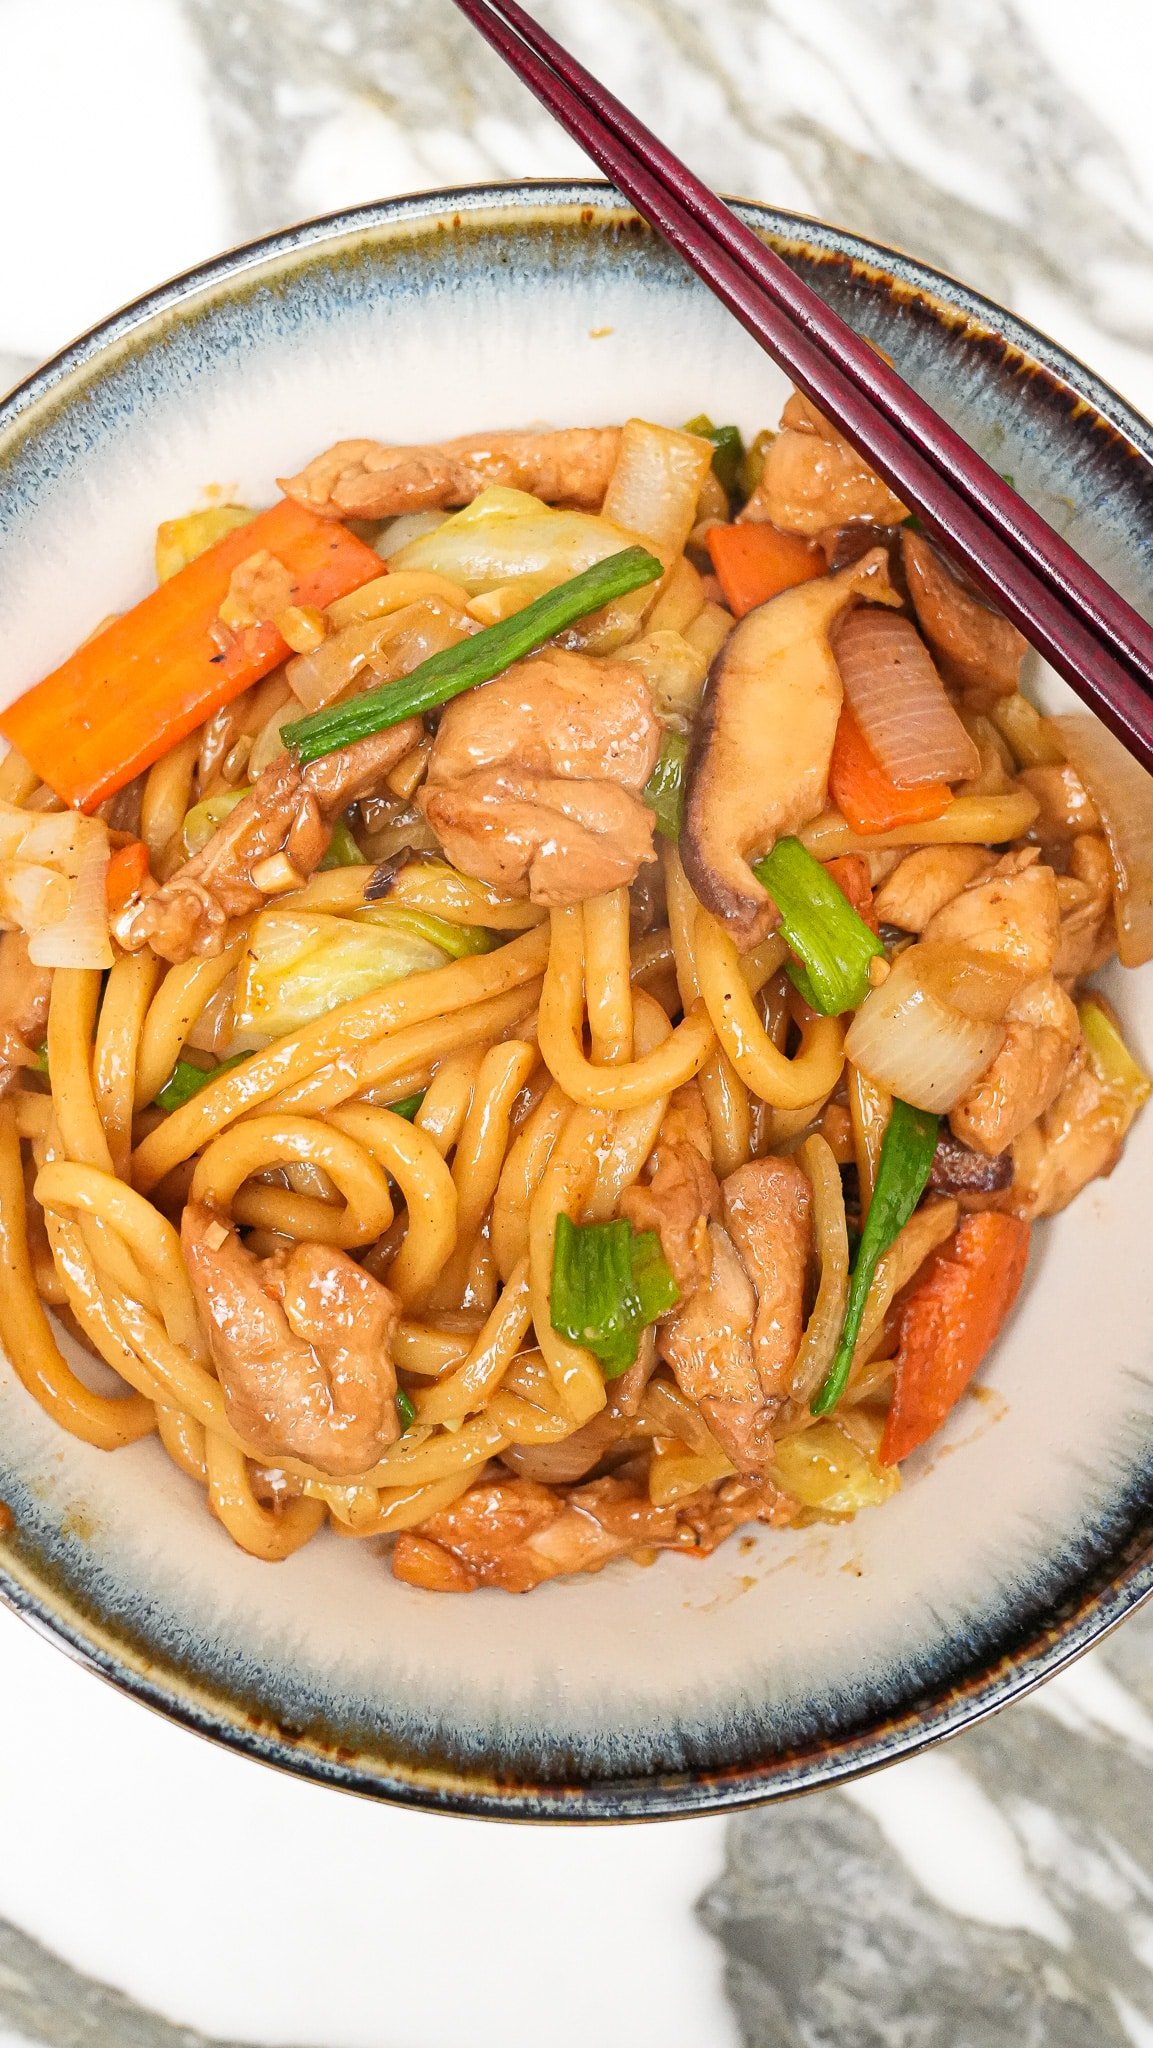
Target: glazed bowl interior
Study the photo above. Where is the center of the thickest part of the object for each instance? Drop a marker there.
(787, 1659)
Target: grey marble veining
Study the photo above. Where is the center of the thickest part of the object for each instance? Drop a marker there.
(832, 1942)
(983, 160)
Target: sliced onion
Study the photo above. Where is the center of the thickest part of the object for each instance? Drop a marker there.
(907, 1039)
(899, 700)
(80, 938)
(1123, 793)
(374, 650)
(656, 483)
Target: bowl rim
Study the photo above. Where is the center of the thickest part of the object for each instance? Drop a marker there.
(1050, 1647)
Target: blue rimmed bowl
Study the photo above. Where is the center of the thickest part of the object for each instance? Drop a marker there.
(800, 1658)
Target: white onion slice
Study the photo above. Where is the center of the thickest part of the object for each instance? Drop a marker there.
(908, 1039)
(1123, 793)
(80, 938)
(899, 700)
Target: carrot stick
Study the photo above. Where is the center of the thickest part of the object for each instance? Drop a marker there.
(156, 673)
(948, 1322)
(866, 797)
(125, 873)
(754, 563)
(850, 872)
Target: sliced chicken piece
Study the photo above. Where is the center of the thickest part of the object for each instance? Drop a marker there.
(1088, 934)
(708, 1342)
(1078, 1139)
(1013, 911)
(1041, 1034)
(812, 479)
(373, 480)
(978, 649)
(767, 1209)
(683, 1195)
(25, 992)
(925, 881)
(302, 1344)
(515, 1534)
(534, 780)
(277, 835)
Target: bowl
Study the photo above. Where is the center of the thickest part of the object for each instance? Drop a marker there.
(793, 1660)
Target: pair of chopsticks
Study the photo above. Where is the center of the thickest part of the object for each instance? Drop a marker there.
(1092, 637)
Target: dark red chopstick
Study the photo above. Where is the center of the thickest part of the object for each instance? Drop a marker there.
(1092, 637)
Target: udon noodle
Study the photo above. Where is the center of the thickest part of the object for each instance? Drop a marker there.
(587, 1118)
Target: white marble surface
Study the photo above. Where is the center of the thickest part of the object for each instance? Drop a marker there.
(1009, 143)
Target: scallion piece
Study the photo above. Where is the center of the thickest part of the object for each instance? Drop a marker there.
(907, 1150)
(473, 661)
(343, 851)
(664, 792)
(41, 1066)
(728, 450)
(186, 1080)
(833, 944)
(405, 1410)
(407, 1106)
(609, 1282)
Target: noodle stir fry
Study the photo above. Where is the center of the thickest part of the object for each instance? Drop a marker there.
(544, 983)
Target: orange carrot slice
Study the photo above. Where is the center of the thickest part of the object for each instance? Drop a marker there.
(948, 1322)
(866, 797)
(155, 674)
(754, 563)
(125, 873)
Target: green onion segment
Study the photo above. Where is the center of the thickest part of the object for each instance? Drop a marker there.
(187, 1080)
(907, 1150)
(833, 944)
(473, 661)
(664, 792)
(609, 1282)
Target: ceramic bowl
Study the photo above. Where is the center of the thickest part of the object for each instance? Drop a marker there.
(1026, 1529)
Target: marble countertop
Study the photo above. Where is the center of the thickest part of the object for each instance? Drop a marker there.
(154, 1890)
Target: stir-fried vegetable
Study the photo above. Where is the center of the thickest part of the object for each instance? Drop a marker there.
(125, 873)
(180, 541)
(1123, 793)
(509, 537)
(934, 1023)
(899, 701)
(298, 964)
(664, 792)
(53, 869)
(950, 1319)
(608, 1283)
(207, 816)
(867, 798)
(830, 1473)
(833, 944)
(474, 661)
(156, 673)
(343, 851)
(906, 1158)
(407, 1106)
(405, 1410)
(728, 450)
(1112, 1061)
(187, 1080)
(756, 562)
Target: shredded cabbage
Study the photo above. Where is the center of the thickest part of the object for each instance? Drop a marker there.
(299, 965)
(507, 536)
(831, 1474)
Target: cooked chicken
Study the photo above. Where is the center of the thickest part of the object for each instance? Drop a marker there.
(372, 480)
(732, 1341)
(302, 1346)
(1077, 1140)
(1041, 1033)
(1066, 810)
(683, 1194)
(1012, 911)
(289, 812)
(259, 588)
(813, 479)
(573, 1457)
(1088, 933)
(515, 1534)
(534, 780)
(767, 1208)
(978, 649)
(24, 996)
(924, 881)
